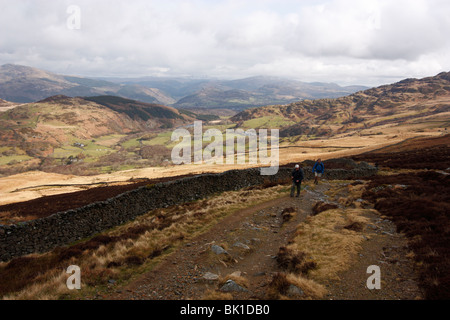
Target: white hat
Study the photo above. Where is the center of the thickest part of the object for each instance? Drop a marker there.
(297, 166)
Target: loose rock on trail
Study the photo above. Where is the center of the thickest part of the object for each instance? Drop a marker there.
(244, 246)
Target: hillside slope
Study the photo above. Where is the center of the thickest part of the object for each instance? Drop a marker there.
(6, 105)
(407, 100)
(139, 110)
(416, 153)
(64, 130)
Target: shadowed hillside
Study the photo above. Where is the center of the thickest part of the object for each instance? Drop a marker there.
(135, 109)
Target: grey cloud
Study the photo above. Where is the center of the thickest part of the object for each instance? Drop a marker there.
(311, 40)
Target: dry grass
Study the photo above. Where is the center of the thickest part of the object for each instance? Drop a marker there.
(279, 286)
(311, 288)
(239, 279)
(394, 172)
(218, 295)
(288, 213)
(327, 239)
(54, 285)
(127, 250)
(323, 246)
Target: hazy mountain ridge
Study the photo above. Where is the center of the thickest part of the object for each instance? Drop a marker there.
(25, 84)
(260, 91)
(405, 100)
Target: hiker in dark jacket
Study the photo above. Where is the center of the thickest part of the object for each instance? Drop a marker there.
(297, 178)
(318, 170)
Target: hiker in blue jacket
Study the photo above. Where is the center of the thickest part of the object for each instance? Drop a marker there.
(318, 170)
(297, 178)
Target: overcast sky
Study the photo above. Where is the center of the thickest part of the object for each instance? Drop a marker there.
(367, 42)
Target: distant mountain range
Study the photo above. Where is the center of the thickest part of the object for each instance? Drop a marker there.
(239, 94)
(25, 84)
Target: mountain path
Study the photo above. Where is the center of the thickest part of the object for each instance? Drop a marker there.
(180, 276)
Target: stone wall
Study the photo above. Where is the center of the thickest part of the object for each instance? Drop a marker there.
(63, 228)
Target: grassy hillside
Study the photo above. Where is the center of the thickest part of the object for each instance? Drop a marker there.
(404, 102)
(84, 136)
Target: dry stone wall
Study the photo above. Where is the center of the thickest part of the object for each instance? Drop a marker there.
(63, 228)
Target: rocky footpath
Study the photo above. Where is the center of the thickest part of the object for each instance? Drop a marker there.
(238, 259)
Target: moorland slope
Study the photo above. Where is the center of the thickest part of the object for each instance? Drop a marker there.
(406, 102)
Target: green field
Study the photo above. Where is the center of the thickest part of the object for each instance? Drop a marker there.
(161, 139)
(109, 140)
(4, 160)
(132, 143)
(90, 150)
(268, 122)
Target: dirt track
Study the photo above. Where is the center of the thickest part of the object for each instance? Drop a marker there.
(181, 275)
